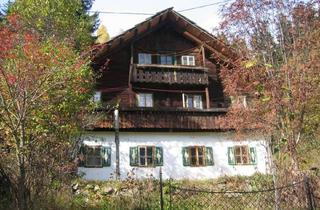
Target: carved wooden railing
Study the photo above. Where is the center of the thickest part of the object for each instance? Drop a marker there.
(169, 74)
(170, 119)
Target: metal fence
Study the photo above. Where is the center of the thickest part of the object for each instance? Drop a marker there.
(296, 195)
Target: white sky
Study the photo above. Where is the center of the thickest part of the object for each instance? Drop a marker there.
(206, 18)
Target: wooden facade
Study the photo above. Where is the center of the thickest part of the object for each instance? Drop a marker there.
(171, 58)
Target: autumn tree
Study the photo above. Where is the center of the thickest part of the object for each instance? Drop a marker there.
(102, 35)
(44, 94)
(278, 72)
(66, 20)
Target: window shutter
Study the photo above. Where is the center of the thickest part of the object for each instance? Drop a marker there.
(185, 156)
(209, 156)
(106, 156)
(231, 159)
(82, 156)
(253, 156)
(159, 156)
(134, 159)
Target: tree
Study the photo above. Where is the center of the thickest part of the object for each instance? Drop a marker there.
(45, 91)
(102, 35)
(278, 72)
(66, 20)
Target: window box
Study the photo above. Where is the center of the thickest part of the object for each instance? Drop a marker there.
(95, 156)
(146, 156)
(242, 155)
(197, 156)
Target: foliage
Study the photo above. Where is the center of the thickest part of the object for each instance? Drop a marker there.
(66, 20)
(102, 35)
(45, 91)
(143, 194)
(279, 73)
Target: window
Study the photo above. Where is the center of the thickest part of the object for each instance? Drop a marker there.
(144, 100)
(242, 155)
(188, 60)
(146, 156)
(95, 156)
(192, 101)
(197, 156)
(97, 96)
(239, 100)
(144, 58)
(166, 60)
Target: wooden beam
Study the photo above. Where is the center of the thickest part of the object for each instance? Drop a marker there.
(130, 73)
(207, 98)
(215, 52)
(203, 56)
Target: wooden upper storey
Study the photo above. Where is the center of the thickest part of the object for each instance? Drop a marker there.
(164, 64)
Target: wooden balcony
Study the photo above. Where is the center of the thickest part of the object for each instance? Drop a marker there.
(169, 74)
(166, 119)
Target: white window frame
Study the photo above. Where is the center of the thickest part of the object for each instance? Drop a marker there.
(146, 156)
(97, 97)
(244, 155)
(194, 101)
(165, 58)
(239, 100)
(197, 156)
(96, 156)
(188, 60)
(144, 97)
(144, 58)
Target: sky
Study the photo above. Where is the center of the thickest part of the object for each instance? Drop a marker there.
(207, 17)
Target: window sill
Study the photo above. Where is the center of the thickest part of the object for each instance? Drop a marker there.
(95, 166)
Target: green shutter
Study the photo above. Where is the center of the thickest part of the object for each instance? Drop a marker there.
(209, 156)
(231, 159)
(106, 156)
(159, 156)
(253, 156)
(134, 158)
(185, 156)
(82, 156)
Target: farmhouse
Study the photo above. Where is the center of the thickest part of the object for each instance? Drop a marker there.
(164, 76)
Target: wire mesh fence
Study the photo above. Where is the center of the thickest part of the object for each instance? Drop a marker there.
(297, 195)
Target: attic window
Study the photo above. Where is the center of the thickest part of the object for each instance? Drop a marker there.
(188, 60)
(144, 58)
(166, 60)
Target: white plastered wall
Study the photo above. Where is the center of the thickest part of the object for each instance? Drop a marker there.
(172, 143)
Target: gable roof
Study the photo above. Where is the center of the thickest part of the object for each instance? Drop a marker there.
(220, 51)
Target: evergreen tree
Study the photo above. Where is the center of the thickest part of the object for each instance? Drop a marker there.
(66, 20)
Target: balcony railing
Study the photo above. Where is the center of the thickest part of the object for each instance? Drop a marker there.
(170, 119)
(169, 74)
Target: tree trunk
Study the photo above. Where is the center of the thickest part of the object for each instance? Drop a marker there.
(292, 147)
(22, 193)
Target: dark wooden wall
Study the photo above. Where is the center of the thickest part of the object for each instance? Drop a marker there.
(114, 80)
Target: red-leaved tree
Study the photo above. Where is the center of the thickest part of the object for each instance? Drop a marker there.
(278, 73)
(44, 93)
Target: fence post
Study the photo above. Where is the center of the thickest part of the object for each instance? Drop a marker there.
(161, 189)
(309, 193)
